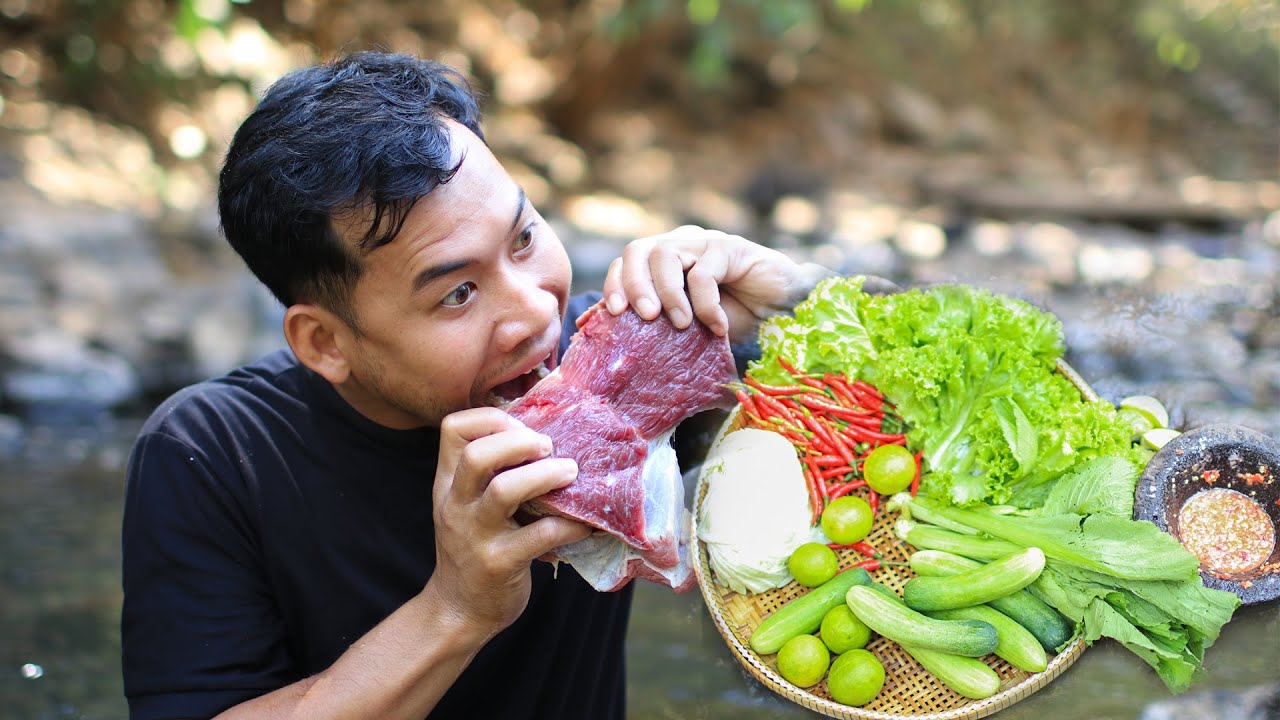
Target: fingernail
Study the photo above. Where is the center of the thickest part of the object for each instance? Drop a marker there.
(545, 445)
(646, 307)
(678, 317)
(571, 469)
(616, 303)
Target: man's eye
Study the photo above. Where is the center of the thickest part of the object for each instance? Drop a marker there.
(460, 295)
(524, 240)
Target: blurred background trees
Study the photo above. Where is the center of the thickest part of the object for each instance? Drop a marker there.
(131, 102)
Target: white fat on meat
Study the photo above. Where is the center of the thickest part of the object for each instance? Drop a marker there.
(607, 563)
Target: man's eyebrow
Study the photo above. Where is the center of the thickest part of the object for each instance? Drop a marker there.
(426, 277)
(520, 203)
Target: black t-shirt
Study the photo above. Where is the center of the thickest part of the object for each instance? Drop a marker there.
(268, 525)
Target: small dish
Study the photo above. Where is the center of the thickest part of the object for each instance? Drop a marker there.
(1216, 489)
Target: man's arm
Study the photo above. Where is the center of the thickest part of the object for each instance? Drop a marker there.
(202, 631)
(403, 666)
(726, 281)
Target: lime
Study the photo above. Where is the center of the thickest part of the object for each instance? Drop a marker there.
(889, 469)
(813, 564)
(1138, 422)
(1156, 439)
(856, 678)
(803, 660)
(842, 631)
(1152, 408)
(847, 520)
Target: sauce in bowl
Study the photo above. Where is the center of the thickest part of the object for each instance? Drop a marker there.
(1230, 533)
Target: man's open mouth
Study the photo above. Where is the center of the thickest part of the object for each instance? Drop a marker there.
(515, 388)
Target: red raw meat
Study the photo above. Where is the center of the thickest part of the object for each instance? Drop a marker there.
(612, 404)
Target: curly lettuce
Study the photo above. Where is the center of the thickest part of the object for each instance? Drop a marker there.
(969, 370)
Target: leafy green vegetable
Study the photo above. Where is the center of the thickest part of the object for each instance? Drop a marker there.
(1101, 485)
(1113, 576)
(1167, 624)
(972, 374)
(1109, 544)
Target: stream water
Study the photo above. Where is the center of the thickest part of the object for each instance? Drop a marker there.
(1199, 329)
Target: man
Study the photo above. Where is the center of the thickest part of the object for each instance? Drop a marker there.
(328, 532)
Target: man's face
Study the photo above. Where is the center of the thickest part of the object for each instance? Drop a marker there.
(464, 304)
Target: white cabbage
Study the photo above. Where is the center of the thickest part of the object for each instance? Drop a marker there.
(756, 510)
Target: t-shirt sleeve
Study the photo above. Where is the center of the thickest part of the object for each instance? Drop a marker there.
(199, 630)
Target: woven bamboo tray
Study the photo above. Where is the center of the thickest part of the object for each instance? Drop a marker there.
(909, 690)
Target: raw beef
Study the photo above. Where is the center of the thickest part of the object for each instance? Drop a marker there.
(612, 405)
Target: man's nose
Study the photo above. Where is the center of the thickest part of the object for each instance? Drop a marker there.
(527, 311)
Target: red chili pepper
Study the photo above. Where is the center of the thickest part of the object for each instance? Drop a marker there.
(846, 489)
(748, 404)
(820, 404)
(775, 389)
(821, 432)
(865, 399)
(815, 492)
(788, 366)
(874, 501)
(866, 549)
(867, 388)
(868, 421)
(771, 404)
(836, 471)
(829, 460)
(874, 436)
(915, 481)
(871, 564)
(840, 389)
(799, 375)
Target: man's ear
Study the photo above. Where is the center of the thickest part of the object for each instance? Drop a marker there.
(311, 332)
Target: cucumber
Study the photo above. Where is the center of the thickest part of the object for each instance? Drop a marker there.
(901, 624)
(974, 587)
(1040, 619)
(928, 537)
(803, 615)
(1017, 644)
(968, 676)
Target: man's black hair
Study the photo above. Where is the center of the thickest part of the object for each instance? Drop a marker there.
(364, 134)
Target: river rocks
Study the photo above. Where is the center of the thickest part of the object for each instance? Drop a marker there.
(53, 367)
(92, 316)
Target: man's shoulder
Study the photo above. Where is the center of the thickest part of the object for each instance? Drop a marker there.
(265, 387)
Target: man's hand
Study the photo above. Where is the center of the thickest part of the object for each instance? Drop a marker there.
(732, 283)
(490, 463)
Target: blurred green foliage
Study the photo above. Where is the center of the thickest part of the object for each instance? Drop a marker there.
(157, 65)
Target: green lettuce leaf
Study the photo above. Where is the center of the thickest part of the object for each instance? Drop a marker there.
(970, 371)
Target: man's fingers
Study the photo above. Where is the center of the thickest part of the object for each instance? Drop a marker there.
(636, 281)
(485, 457)
(508, 489)
(544, 535)
(615, 296)
(666, 268)
(460, 428)
(704, 280)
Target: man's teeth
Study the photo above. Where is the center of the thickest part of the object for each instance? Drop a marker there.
(521, 385)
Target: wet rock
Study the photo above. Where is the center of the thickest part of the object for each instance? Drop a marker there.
(54, 367)
(1257, 703)
(11, 437)
(233, 324)
(912, 117)
(973, 128)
